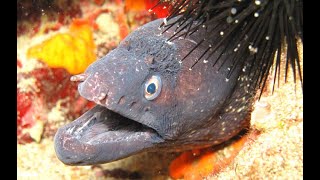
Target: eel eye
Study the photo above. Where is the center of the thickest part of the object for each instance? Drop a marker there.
(152, 87)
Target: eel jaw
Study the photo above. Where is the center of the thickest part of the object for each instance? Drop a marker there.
(100, 136)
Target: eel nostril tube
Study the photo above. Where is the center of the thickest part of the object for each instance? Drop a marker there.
(79, 77)
(102, 98)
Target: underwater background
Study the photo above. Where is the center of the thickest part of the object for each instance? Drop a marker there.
(60, 38)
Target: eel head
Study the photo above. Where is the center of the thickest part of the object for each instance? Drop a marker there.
(148, 99)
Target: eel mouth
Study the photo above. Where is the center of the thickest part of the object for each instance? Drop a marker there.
(100, 136)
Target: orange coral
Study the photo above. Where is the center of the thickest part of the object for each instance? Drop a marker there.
(135, 5)
(197, 164)
(74, 50)
(159, 9)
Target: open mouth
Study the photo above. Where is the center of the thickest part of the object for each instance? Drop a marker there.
(101, 135)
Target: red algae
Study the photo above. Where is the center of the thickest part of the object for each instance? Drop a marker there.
(99, 2)
(160, 10)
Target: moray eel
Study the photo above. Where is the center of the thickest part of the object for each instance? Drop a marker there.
(149, 100)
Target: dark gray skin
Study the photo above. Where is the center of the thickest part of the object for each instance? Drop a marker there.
(195, 108)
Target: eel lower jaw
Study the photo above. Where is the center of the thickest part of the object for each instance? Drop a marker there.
(100, 136)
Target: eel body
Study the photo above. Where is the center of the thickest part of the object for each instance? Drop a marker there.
(189, 84)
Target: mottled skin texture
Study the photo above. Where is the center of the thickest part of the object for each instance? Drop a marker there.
(195, 108)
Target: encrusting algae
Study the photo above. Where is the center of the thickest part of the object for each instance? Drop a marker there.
(200, 163)
(73, 50)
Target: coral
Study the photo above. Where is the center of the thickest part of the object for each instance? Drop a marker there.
(135, 5)
(30, 115)
(200, 163)
(73, 50)
(123, 26)
(41, 16)
(99, 2)
(161, 10)
(38, 92)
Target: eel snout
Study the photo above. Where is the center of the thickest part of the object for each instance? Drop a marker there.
(100, 136)
(71, 151)
(91, 87)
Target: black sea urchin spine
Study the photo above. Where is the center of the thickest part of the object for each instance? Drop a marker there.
(258, 29)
